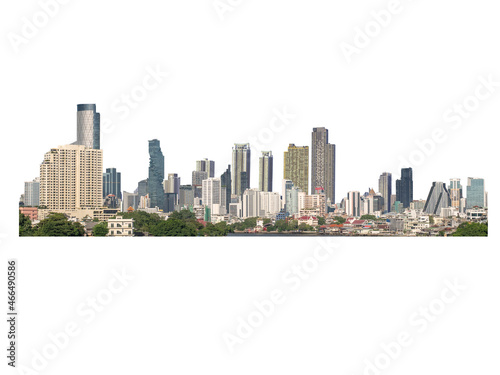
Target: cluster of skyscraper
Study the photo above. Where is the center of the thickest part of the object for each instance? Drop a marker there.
(440, 197)
(231, 193)
(72, 180)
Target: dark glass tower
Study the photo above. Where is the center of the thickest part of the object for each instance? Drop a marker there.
(225, 182)
(404, 187)
(156, 174)
(112, 183)
(142, 188)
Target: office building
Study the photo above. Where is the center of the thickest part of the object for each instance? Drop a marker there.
(292, 200)
(266, 171)
(130, 200)
(475, 193)
(438, 198)
(172, 184)
(186, 196)
(142, 188)
(296, 166)
(206, 165)
(112, 183)
(197, 182)
(225, 182)
(32, 193)
(322, 163)
(404, 187)
(156, 174)
(88, 124)
(385, 189)
(170, 202)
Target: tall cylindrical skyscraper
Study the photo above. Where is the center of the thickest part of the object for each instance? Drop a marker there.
(88, 123)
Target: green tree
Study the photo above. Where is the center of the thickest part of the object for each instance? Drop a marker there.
(57, 225)
(472, 230)
(339, 219)
(25, 227)
(100, 230)
(368, 217)
(182, 215)
(172, 227)
(321, 220)
(293, 225)
(306, 227)
(143, 221)
(215, 230)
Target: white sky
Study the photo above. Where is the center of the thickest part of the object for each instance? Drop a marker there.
(226, 77)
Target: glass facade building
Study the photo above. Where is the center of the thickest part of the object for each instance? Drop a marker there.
(225, 181)
(404, 187)
(156, 174)
(88, 124)
(112, 183)
(475, 192)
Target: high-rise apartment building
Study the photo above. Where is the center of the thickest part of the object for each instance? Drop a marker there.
(88, 124)
(211, 192)
(296, 166)
(385, 189)
(240, 173)
(353, 204)
(438, 198)
(112, 183)
(257, 203)
(456, 192)
(206, 165)
(404, 187)
(71, 178)
(32, 193)
(266, 171)
(476, 196)
(156, 174)
(322, 163)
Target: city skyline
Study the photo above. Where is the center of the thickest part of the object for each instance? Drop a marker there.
(88, 133)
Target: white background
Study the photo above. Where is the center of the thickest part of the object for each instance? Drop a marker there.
(226, 78)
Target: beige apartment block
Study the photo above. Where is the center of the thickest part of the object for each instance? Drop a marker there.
(71, 179)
